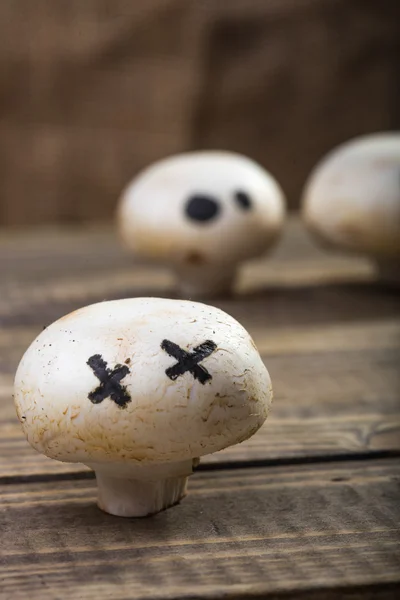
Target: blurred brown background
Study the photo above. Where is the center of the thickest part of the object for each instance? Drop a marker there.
(93, 90)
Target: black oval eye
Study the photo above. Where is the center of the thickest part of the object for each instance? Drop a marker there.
(243, 199)
(202, 208)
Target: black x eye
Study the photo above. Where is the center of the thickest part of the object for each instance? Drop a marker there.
(243, 200)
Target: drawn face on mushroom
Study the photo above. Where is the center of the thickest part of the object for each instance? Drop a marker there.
(137, 390)
(352, 198)
(202, 213)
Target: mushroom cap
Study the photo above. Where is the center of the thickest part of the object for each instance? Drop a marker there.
(352, 198)
(94, 386)
(201, 207)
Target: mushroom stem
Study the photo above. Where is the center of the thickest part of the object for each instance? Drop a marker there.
(127, 490)
(196, 281)
(136, 497)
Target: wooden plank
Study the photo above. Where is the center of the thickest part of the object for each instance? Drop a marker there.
(241, 534)
(46, 274)
(326, 404)
(332, 349)
(267, 298)
(46, 247)
(280, 295)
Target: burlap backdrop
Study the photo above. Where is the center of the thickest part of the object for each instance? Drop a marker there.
(93, 90)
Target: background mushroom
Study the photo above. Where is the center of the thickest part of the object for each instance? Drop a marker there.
(202, 213)
(137, 390)
(352, 200)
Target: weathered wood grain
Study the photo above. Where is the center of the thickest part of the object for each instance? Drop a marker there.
(326, 404)
(43, 277)
(332, 349)
(296, 524)
(332, 358)
(242, 533)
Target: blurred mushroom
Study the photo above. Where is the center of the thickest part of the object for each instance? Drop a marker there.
(202, 213)
(352, 200)
(137, 390)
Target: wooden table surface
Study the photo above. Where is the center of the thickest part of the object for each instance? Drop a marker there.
(307, 508)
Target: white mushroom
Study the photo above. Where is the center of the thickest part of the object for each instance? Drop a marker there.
(137, 390)
(352, 199)
(202, 213)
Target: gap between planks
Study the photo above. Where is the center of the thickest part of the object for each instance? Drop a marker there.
(83, 473)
